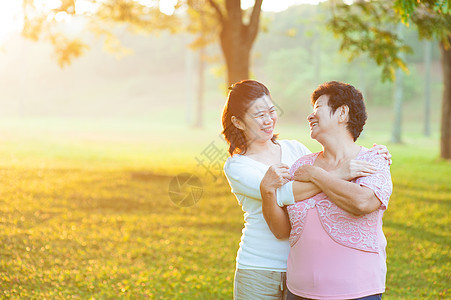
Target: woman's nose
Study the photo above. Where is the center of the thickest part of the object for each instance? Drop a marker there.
(310, 116)
(267, 119)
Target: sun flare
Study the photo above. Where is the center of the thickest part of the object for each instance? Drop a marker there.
(11, 12)
(11, 19)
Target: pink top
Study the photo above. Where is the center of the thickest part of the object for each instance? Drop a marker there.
(335, 255)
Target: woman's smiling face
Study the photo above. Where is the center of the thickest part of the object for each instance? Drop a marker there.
(322, 117)
(260, 120)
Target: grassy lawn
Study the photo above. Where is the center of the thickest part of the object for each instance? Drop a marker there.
(87, 214)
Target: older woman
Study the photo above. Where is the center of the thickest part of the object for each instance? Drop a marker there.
(249, 120)
(336, 238)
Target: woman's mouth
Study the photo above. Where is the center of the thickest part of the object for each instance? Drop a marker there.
(313, 124)
(268, 130)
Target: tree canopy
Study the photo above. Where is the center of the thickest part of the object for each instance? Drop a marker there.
(370, 27)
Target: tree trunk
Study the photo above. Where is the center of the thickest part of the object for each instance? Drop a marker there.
(201, 76)
(238, 38)
(189, 94)
(200, 89)
(445, 138)
(398, 95)
(427, 86)
(236, 51)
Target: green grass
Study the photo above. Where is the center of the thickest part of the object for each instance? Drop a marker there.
(85, 213)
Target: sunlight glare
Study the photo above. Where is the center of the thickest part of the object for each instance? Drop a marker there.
(84, 7)
(11, 14)
(61, 16)
(168, 7)
(149, 3)
(11, 19)
(48, 4)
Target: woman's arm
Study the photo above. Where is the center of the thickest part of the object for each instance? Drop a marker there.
(245, 180)
(304, 190)
(276, 217)
(347, 171)
(349, 196)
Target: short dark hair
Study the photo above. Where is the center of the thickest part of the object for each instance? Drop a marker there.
(344, 94)
(241, 95)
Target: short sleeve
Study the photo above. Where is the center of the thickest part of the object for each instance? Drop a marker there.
(380, 182)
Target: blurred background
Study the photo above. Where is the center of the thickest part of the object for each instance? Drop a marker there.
(105, 102)
(137, 72)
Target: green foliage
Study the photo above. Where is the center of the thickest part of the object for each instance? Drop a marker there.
(432, 24)
(293, 66)
(370, 27)
(407, 8)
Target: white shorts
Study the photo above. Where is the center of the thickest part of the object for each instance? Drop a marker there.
(250, 284)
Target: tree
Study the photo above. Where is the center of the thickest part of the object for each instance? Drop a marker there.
(370, 27)
(398, 98)
(237, 37)
(211, 20)
(224, 20)
(427, 87)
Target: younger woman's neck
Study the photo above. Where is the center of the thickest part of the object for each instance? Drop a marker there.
(261, 147)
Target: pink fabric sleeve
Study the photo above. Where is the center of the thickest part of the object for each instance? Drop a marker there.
(380, 182)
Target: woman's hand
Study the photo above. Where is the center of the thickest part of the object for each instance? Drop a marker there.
(353, 169)
(382, 150)
(303, 173)
(275, 177)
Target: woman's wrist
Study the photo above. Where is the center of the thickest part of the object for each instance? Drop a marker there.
(267, 188)
(317, 173)
(336, 173)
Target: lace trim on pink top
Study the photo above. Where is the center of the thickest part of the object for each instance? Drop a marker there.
(344, 228)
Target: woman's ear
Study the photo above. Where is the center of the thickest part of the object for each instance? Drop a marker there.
(237, 123)
(344, 113)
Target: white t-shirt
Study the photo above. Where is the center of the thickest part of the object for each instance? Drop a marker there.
(259, 248)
